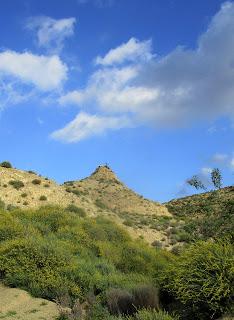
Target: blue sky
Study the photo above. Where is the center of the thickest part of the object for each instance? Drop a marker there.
(145, 86)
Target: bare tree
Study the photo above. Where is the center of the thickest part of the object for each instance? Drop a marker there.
(196, 183)
(216, 178)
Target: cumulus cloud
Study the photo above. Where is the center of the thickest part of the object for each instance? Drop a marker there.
(186, 85)
(44, 72)
(132, 51)
(51, 33)
(86, 125)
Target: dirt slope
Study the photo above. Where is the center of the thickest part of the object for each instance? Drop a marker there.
(18, 304)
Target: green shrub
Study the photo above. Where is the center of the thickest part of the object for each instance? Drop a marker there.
(2, 204)
(11, 207)
(79, 211)
(41, 267)
(24, 195)
(51, 252)
(152, 315)
(202, 278)
(31, 171)
(43, 198)
(157, 244)
(128, 223)
(36, 181)
(6, 164)
(17, 184)
(120, 302)
(100, 204)
(10, 228)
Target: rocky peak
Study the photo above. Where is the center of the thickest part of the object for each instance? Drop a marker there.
(103, 172)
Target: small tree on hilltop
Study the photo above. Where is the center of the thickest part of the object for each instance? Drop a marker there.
(6, 164)
(216, 178)
(196, 183)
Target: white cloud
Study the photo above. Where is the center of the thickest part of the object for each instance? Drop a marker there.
(132, 51)
(51, 33)
(44, 72)
(73, 97)
(85, 125)
(174, 90)
(10, 94)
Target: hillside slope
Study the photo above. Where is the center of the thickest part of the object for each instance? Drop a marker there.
(108, 192)
(26, 189)
(201, 204)
(100, 194)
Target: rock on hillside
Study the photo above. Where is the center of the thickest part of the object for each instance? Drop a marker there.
(108, 192)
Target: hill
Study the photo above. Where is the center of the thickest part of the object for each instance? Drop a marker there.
(100, 194)
(108, 192)
(201, 204)
(205, 216)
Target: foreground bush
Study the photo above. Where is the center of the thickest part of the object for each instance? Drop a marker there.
(123, 302)
(202, 278)
(52, 251)
(144, 314)
(40, 267)
(153, 315)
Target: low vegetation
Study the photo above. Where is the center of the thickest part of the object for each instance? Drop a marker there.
(17, 184)
(94, 270)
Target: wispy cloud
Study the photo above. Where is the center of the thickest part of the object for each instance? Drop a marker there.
(86, 125)
(51, 33)
(132, 51)
(174, 90)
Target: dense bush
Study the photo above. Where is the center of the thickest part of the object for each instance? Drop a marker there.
(153, 315)
(123, 302)
(39, 266)
(79, 211)
(202, 279)
(43, 198)
(17, 184)
(6, 164)
(36, 181)
(51, 250)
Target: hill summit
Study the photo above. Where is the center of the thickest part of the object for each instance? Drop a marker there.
(108, 192)
(103, 172)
